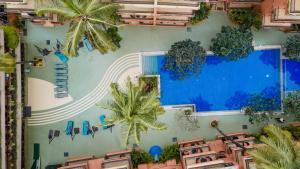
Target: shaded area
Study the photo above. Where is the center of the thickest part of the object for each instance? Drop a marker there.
(201, 104)
(267, 59)
(267, 99)
(215, 60)
(293, 68)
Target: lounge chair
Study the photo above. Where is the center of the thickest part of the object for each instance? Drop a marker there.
(61, 68)
(87, 44)
(50, 136)
(61, 95)
(43, 52)
(61, 77)
(69, 129)
(56, 133)
(61, 89)
(59, 65)
(58, 53)
(62, 83)
(85, 128)
(61, 56)
(103, 122)
(61, 74)
(76, 131)
(61, 71)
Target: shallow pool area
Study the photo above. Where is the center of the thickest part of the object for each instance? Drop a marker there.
(291, 75)
(222, 84)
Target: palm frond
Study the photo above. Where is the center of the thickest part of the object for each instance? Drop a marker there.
(279, 152)
(64, 12)
(73, 6)
(73, 37)
(126, 109)
(99, 39)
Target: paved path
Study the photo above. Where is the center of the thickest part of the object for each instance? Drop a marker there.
(74, 108)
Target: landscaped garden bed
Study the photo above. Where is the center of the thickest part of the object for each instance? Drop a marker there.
(11, 121)
(151, 83)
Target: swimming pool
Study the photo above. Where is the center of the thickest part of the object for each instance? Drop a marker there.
(291, 75)
(221, 84)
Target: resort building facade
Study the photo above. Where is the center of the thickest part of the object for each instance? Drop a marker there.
(157, 12)
(281, 13)
(11, 101)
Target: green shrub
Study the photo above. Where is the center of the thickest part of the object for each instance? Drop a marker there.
(114, 36)
(202, 13)
(185, 58)
(291, 103)
(246, 17)
(292, 47)
(140, 157)
(11, 36)
(295, 131)
(150, 83)
(170, 152)
(233, 43)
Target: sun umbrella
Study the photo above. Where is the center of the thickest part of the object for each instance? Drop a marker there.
(155, 151)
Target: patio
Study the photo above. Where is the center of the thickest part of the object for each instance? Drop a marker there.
(83, 79)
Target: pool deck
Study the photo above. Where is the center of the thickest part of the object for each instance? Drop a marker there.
(90, 69)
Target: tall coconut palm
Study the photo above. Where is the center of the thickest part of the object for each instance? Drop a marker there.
(280, 150)
(135, 110)
(87, 18)
(7, 63)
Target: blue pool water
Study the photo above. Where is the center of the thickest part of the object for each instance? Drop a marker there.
(222, 84)
(291, 75)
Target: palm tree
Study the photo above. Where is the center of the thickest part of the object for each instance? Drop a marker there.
(88, 18)
(280, 150)
(135, 109)
(7, 63)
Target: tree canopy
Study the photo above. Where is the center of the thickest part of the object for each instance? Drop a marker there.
(246, 17)
(7, 63)
(88, 18)
(185, 58)
(135, 110)
(233, 43)
(292, 47)
(291, 103)
(11, 36)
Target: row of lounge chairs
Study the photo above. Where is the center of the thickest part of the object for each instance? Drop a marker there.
(61, 80)
(87, 129)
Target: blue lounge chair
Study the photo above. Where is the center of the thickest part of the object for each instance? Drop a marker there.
(61, 77)
(88, 44)
(61, 83)
(103, 122)
(58, 53)
(85, 128)
(62, 66)
(61, 89)
(61, 95)
(61, 56)
(61, 71)
(69, 129)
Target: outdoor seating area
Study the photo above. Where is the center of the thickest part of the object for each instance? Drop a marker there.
(87, 129)
(120, 159)
(219, 153)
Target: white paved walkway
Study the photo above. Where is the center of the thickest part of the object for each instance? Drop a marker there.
(113, 73)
